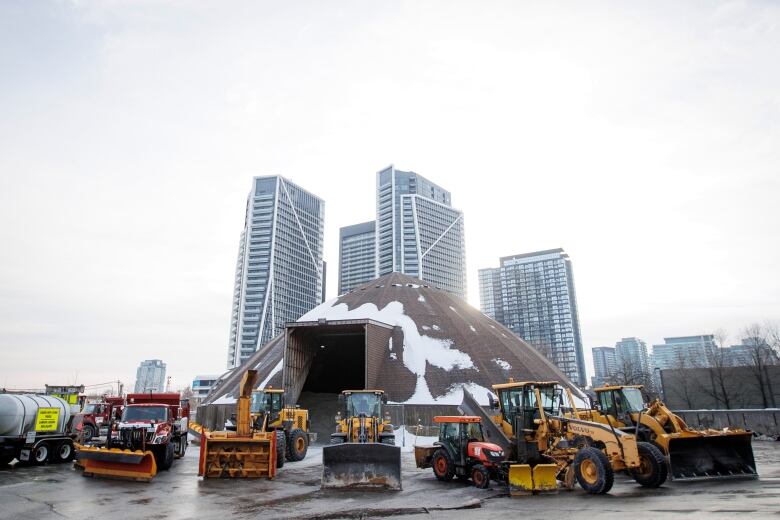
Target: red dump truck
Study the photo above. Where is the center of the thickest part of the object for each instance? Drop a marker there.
(95, 418)
(150, 435)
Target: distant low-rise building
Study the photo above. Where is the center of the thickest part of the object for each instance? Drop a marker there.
(684, 352)
(202, 385)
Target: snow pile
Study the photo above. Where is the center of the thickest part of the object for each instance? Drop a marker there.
(408, 439)
(421, 299)
(418, 349)
(472, 328)
(503, 364)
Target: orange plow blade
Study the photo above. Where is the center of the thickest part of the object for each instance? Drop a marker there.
(125, 464)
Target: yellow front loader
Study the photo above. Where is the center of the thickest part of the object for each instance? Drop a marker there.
(268, 407)
(362, 451)
(544, 446)
(247, 452)
(692, 454)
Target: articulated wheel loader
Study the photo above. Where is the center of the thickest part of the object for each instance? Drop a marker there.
(692, 454)
(268, 408)
(362, 451)
(248, 452)
(543, 446)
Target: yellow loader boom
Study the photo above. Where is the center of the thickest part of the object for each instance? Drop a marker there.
(692, 454)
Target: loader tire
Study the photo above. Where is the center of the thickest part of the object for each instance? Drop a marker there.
(593, 471)
(164, 456)
(297, 445)
(281, 448)
(443, 465)
(480, 476)
(88, 432)
(652, 470)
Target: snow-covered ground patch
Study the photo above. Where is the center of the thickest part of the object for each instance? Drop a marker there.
(436, 327)
(472, 328)
(408, 439)
(421, 299)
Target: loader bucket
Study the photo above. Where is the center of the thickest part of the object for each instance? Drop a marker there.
(237, 457)
(521, 481)
(361, 465)
(715, 456)
(545, 480)
(116, 463)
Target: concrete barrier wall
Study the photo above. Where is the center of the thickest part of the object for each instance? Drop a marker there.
(764, 421)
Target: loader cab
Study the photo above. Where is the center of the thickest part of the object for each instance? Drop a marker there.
(268, 400)
(620, 402)
(366, 403)
(520, 406)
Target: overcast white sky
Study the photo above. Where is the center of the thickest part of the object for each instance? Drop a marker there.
(642, 137)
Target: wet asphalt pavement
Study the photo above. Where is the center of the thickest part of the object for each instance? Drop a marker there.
(59, 491)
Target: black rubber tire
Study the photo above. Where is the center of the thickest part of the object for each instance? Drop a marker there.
(88, 432)
(182, 446)
(443, 465)
(40, 454)
(480, 476)
(65, 452)
(297, 445)
(653, 471)
(164, 455)
(281, 448)
(593, 471)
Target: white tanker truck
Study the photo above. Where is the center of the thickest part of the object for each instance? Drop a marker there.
(35, 429)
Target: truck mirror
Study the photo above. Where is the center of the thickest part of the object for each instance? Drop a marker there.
(384, 399)
(492, 401)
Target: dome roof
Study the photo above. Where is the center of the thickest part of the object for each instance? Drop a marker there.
(444, 344)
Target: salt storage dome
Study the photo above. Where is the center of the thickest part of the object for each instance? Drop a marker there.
(418, 343)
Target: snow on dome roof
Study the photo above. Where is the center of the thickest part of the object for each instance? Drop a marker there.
(446, 344)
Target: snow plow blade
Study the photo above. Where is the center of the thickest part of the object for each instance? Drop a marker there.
(225, 455)
(712, 456)
(115, 463)
(361, 466)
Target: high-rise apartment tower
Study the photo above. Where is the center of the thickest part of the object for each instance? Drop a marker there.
(279, 271)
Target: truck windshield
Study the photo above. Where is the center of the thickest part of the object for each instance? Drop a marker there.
(368, 404)
(145, 413)
(90, 408)
(633, 399)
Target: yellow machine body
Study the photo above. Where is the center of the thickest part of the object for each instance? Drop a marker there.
(362, 453)
(248, 452)
(693, 454)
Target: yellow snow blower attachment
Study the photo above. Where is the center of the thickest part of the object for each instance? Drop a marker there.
(362, 453)
(246, 452)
